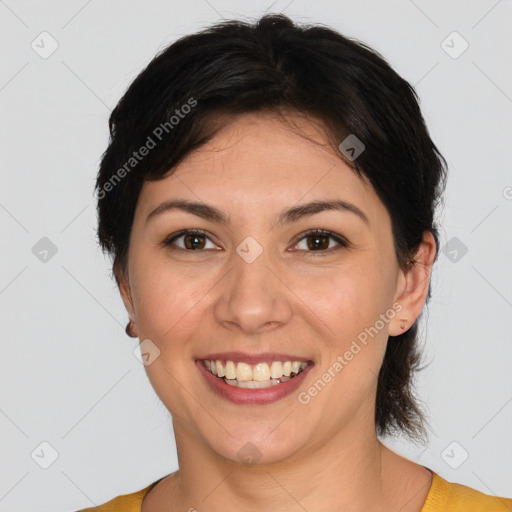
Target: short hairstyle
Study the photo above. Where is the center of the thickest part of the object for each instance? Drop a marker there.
(181, 99)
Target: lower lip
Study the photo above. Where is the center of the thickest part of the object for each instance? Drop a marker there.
(252, 396)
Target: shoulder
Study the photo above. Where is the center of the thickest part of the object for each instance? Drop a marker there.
(124, 503)
(455, 497)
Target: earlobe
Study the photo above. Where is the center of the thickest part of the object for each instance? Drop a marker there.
(129, 329)
(414, 286)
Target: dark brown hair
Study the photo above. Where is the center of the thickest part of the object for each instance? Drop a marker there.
(177, 103)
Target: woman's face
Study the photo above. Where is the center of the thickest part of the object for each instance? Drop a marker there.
(257, 284)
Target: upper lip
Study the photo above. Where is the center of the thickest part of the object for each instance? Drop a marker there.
(253, 358)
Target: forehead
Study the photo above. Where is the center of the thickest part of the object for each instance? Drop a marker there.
(256, 161)
(267, 140)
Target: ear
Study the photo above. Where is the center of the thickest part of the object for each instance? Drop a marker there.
(123, 283)
(412, 286)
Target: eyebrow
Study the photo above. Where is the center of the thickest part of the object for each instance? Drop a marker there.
(294, 214)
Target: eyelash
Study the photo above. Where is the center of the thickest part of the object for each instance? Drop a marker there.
(312, 232)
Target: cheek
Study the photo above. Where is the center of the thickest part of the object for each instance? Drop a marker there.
(168, 300)
(351, 303)
(351, 298)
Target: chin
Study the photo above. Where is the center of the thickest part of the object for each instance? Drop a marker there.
(257, 444)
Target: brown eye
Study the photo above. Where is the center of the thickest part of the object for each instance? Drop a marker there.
(189, 241)
(193, 242)
(319, 240)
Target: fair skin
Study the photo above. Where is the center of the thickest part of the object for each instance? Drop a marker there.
(323, 456)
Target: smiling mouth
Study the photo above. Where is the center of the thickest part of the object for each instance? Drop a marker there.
(255, 376)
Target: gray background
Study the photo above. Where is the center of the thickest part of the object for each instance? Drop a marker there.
(69, 376)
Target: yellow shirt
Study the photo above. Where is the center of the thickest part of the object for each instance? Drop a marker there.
(443, 496)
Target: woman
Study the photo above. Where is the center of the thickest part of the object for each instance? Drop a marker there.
(268, 198)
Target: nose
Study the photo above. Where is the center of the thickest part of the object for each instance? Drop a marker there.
(253, 297)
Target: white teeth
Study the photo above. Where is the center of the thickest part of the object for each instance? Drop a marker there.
(230, 370)
(243, 372)
(255, 376)
(276, 369)
(295, 366)
(252, 384)
(219, 368)
(261, 372)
